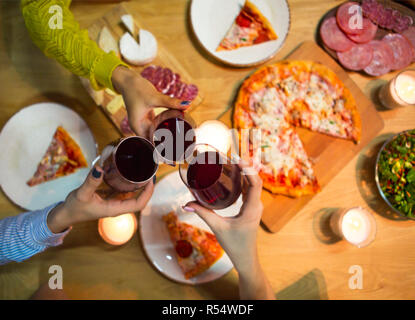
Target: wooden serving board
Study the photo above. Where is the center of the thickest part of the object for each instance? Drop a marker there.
(108, 100)
(329, 154)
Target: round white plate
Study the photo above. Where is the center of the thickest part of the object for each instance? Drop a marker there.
(211, 20)
(24, 140)
(170, 194)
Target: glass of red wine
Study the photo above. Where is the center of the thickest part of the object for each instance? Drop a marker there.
(172, 134)
(211, 177)
(128, 165)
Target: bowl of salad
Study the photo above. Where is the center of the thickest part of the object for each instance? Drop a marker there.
(395, 173)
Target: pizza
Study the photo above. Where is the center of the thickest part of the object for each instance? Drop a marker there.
(249, 28)
(280, 97)
(62, 158)
(196, 249)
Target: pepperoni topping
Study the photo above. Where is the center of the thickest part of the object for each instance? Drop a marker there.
(357, 58)
(368, 34)
(333, 37)
(382, 58)
(242, 20)
(349, 15)
(402, 50)
(262, 37)
(184, 248)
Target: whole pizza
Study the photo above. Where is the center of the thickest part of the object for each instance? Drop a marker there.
(276, 99)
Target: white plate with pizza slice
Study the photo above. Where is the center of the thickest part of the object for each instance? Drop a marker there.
(24, 140)
(170, 194)
(214, 20)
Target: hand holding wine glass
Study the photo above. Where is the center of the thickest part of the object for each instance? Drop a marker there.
(84, 204)
(237, 236)
(140, 96)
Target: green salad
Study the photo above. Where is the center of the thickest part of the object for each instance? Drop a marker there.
(396, 172)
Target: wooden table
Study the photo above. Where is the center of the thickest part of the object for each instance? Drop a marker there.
(301, 260)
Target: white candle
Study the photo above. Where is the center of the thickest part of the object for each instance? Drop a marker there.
(355, 225)
(405, 87)
(215, 134)
(117, 230)
(400, 91)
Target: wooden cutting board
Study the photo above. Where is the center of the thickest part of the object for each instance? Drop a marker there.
(108, 100)
(329, 154)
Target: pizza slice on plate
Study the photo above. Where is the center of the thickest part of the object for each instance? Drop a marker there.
(62, 158)
(249, 28)
(196, 249)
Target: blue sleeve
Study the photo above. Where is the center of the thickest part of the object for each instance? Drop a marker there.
(27, 234)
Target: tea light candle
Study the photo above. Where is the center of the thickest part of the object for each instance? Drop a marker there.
(405, 87)
(400, 91)
(215, 134)
(355, 225)
(117, 230)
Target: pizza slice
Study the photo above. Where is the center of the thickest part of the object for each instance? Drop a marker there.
(62, 158)
(323, 104)
(249, 28)
(196, 249)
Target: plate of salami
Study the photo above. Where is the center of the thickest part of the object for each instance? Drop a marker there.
(240, 33)
(47, 150)
(179, 244)
(374, 37)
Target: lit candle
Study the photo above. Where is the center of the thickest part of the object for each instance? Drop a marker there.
(215, 134)
(400, 91)
(355, 225)
(117, 230)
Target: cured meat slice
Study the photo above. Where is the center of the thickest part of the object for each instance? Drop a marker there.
(382, 58)
(385, 17)
(180, 86)
(348, 19)
(148, 72)
(357, 58)
(125, 126)
(368, 34)
(402, 50)
(190, 92)
(169, 83)
(409, 34)
(333, 37)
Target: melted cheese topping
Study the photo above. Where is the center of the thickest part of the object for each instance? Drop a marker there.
(280, 150)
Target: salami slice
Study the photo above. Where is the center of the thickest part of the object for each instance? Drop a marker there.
(169, 83)
(368, 34)
(148, 72)
(409, 34)
(333, 37)
(402, 50)
(357, 58)
(382, 58)
(348, 18)
(190, 92)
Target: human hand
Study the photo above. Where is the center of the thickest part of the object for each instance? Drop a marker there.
(237, 235)
(84, 204)
(140, 96)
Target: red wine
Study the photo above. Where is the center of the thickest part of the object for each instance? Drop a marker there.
(182, 138)
(214, 184)
(134, 160)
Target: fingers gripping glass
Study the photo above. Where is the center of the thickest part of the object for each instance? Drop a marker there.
(211, 177)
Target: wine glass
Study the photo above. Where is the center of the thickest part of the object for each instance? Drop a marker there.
(172, 134)
(211, 177)
(128, 165)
